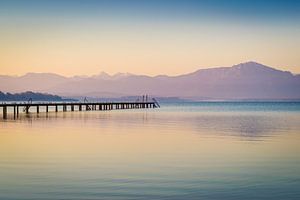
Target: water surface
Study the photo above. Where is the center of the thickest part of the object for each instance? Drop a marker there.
(209, 150)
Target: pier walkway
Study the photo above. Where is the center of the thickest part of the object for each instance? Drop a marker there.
(71, 106)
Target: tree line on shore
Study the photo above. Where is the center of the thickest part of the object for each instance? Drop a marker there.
(29, 95)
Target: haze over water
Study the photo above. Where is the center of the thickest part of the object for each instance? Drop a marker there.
(203, 150)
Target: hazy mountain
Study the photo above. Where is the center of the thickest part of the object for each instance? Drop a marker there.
(243, 81)
(31, 82)
(106, 76)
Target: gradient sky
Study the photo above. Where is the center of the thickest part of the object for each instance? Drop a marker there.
(146, 37)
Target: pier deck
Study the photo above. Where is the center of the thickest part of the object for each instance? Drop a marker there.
(72, 106)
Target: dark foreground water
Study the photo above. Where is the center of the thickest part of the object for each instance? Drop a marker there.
(181, 151)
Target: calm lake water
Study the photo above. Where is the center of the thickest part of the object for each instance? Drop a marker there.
(180, 151)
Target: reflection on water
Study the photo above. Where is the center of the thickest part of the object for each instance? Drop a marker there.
(248, 125)
(177, 152)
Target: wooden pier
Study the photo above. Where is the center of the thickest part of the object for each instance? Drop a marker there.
(72, 106)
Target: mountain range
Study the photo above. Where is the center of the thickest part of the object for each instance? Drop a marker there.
(249, 80)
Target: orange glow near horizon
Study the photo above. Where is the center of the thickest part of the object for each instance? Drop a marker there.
(87, 45)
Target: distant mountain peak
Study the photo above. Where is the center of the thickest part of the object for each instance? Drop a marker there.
(103, 74)
(254, 67)
(250, 64)
(120, 75)
(106, 76)
(31, 75)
